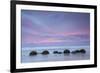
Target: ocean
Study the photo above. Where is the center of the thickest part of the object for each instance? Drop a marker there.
(25, 58)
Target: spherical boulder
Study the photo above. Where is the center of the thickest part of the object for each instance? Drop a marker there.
(82, 50)
(66, 51)
(45, 52)
(79, 51)
(32, 53)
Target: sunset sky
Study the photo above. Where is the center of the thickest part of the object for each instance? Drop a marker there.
(50, 28)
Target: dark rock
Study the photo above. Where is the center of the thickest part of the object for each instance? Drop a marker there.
(55, 52)
(66, 51)
(82, 50)
(59, 53)
(45, 52)
(32, 53)
(79, 51)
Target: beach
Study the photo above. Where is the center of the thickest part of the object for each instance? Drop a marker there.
(26, 58)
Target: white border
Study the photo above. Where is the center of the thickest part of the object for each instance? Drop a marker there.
(20, 65)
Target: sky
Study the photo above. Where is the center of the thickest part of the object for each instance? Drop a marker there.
(54, 28)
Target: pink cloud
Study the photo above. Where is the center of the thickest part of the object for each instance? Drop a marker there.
(32, 40)
(50, 40)
(81, 32)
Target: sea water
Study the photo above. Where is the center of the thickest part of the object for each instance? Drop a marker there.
(26, 58)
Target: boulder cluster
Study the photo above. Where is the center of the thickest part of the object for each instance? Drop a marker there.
(66, 51)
